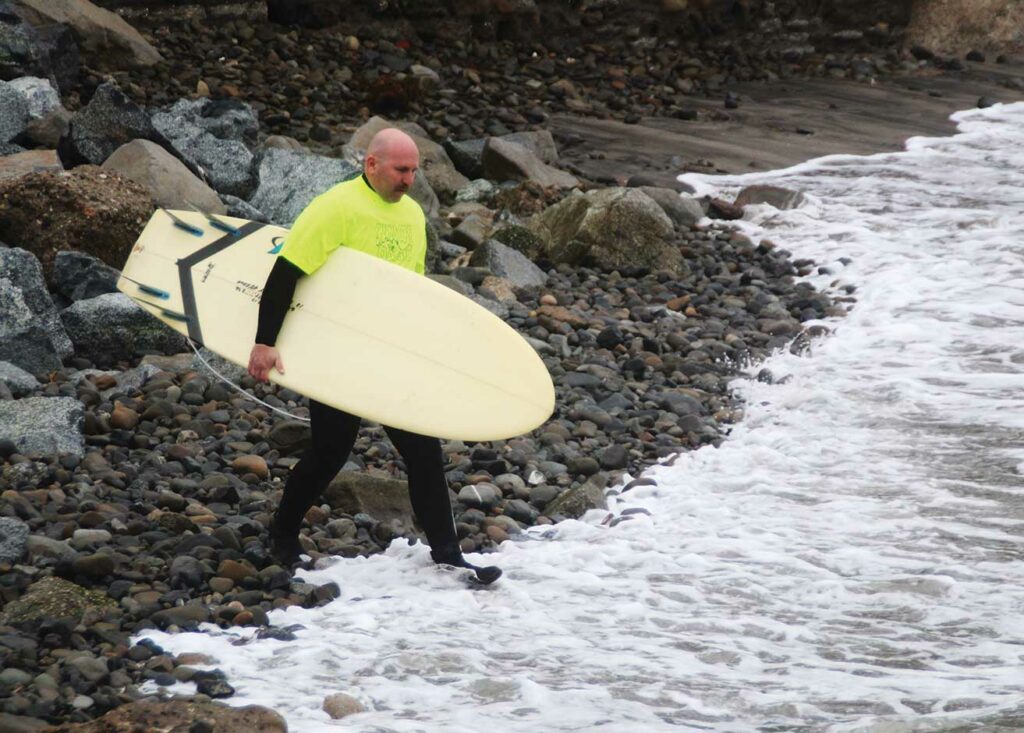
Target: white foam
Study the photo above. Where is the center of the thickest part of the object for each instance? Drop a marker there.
(850, 559)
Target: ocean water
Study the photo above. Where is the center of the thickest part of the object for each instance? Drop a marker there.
(849, 560)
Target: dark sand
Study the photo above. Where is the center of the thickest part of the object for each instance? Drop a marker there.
(783, 123)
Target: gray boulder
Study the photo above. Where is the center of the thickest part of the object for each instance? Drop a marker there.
(109, 328)
(169, 182)
(13, 539)
(14, 116)
(507, 263)
(109, 121)
(49, 51)
(684, 211)
(17, 380)
(508, 161)
(386, 500)
(468, 155)
(288, 181)
(47, 131)
(21, 267)
(80, 276)
(242, 209)
(45, 425)
(614, 227)
(538, 142)
(39, 94)
(213, 143)
(23, 340)
(780, 198)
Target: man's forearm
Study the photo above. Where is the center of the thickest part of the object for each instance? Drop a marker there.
(276, 299)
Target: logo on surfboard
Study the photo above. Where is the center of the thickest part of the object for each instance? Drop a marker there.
(278, 244)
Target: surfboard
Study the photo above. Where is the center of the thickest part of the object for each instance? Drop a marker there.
(362, 335)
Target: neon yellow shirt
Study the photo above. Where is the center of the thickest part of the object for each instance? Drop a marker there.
(351, 214)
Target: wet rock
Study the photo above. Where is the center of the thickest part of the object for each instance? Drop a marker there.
(780, 198)
(168, 181)
(43, 424)
(576, 502)
(340, 705)
(385, 500)
(684, 211)
(110, 327)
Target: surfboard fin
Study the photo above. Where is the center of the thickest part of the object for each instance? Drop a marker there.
(149, 289)
(216, 221)
(182, 224)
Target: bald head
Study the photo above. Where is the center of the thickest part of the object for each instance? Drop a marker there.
(392, 160)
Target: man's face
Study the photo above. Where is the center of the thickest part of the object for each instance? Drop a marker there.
(392, 173)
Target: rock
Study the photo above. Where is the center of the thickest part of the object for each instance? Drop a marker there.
(33, 335)
(13, 539)
(183, 715)
(288, 181)
(251, 464)
(509, 264)
(614, 227)
(39, 95)
(14, 114)
(22, 724)
(168, 181)
(113, 327)
(86, 209)
(538, 142)
(470, 232)
(520, 239)
(467, 156)
(17, 380)
(97, 565)
(109, 121)
(480, 496)
(386, 500)
(289, 436)
(80, 276)
(54, 598)
(19, 164)
(506, 161)
(186, 572)
(576, 502)
(105, 39)
(47, 131)
(210, 136)
(46, 425)
(340, 705)
(780, 198)
(684, 211)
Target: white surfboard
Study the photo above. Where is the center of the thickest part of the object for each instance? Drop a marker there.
(362, 335)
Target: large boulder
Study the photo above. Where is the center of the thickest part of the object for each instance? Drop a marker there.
(109, 121)
(435, 165)
(168, 181)
(14, 116)
(290, 180)
(105, 39)
(509, 264)
(509, 161)
(80, 276)
(112, 327)
(613, 227)
(212, 136)
(577, 501)
(180, 715)
(13, 539)
(86, 209)
(21, 268)
(44, 425)
(684, 211)
(386, 500)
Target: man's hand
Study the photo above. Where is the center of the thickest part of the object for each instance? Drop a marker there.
(262, 359)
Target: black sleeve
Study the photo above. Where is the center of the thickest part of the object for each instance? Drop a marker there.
(276, 299)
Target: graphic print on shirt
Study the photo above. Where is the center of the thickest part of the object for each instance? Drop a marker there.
(394, 241)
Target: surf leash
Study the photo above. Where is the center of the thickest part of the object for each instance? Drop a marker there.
(240, 389)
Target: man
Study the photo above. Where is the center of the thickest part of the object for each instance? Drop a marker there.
(372, 214)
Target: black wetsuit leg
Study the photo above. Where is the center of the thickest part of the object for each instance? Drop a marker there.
(428, 492)
(334, 434)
